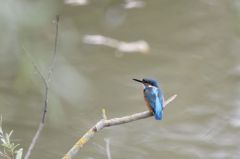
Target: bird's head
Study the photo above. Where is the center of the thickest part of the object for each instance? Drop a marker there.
(147, 82)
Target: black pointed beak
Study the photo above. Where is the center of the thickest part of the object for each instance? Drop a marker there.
(138, 80)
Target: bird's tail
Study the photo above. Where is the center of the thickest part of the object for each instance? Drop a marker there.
(158, 115)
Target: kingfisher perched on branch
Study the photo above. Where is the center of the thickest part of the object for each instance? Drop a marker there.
(153, 97)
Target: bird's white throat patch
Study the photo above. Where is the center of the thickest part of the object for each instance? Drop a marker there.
(148, 86)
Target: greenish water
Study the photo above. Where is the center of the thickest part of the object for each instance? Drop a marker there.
(194, 52)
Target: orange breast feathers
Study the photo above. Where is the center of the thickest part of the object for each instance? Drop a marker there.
(147, 104)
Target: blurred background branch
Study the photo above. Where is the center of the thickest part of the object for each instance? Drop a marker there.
(46, 81)
(140, 46)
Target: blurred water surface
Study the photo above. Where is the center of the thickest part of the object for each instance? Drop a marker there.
(194, 52)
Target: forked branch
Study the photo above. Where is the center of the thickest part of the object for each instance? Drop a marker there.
(107, 123)
(46, 81)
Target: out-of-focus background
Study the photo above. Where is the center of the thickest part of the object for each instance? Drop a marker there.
(190, 47)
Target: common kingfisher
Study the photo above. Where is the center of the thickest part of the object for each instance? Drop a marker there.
(153, 97)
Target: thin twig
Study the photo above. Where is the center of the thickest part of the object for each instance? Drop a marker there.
(108, 152)
(104, 114)
(46, 85)
(50, 70)
(52, 63)
(35, 66)
(34, 140)
(107, 123)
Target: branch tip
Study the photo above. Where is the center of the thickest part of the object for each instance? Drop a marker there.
(104, 114)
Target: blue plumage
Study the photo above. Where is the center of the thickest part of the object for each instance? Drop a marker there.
(153, 97)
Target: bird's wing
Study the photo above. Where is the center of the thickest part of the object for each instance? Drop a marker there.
(154, 97)
(161, 97)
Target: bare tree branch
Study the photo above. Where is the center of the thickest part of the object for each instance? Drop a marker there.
(107, 123)
(46, 81)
